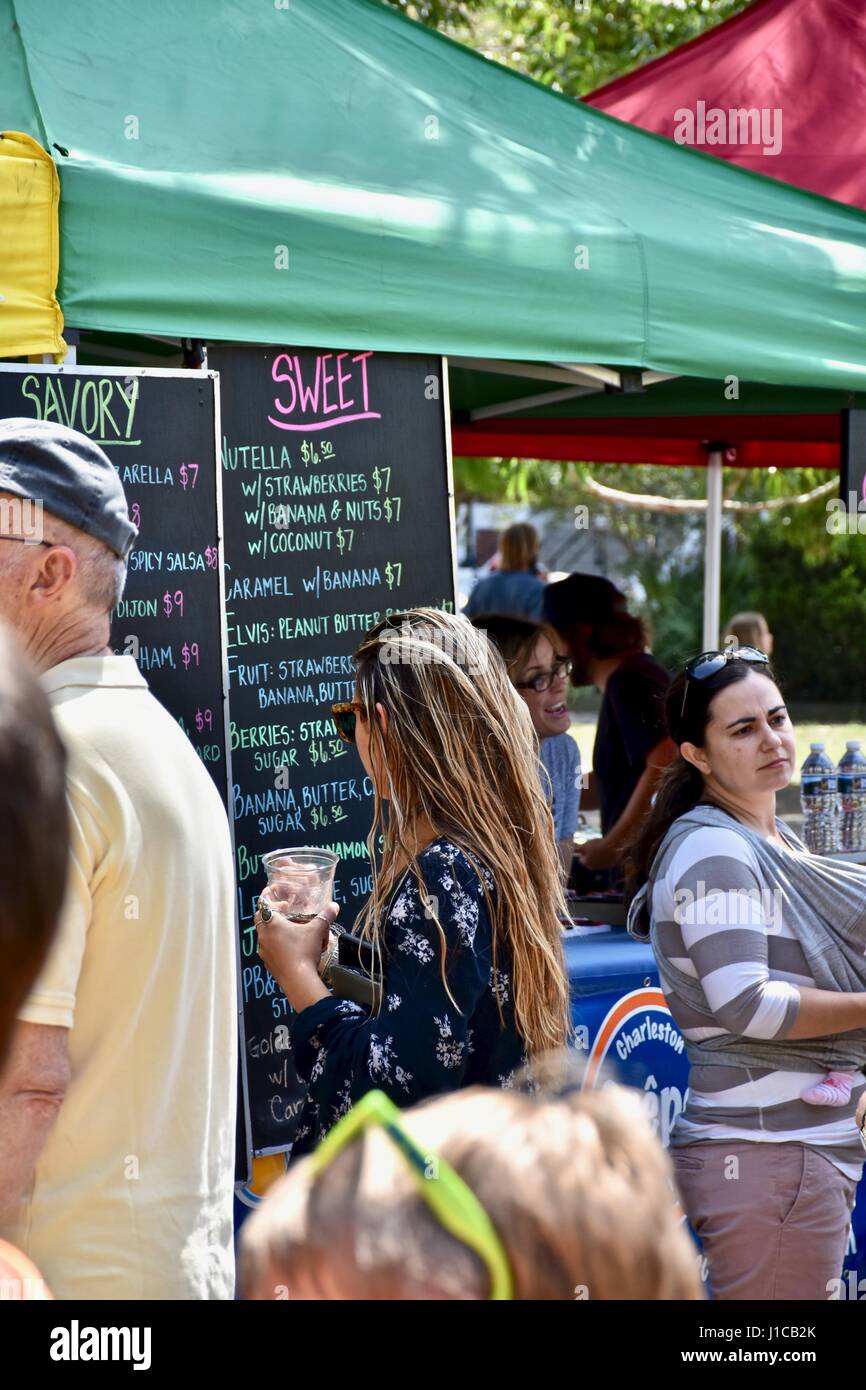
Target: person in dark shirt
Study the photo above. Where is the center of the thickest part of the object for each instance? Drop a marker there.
(607, 648)
(464, 913)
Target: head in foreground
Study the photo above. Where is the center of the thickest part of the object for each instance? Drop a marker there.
(35, 833)
(578, 1191)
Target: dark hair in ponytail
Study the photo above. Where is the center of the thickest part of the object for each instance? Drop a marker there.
(681, 786)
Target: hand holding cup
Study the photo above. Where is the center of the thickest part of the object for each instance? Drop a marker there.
(292, 949)
(294, 918)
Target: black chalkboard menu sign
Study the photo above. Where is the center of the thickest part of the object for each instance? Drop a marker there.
(336, 499)
(159, 428)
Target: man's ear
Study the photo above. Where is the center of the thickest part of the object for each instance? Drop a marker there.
(697, 757)
(56, 571)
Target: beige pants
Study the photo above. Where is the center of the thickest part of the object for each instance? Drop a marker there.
(772, 1219)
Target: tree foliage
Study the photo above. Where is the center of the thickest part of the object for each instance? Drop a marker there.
(811, 587)
(810, 584)
(571, 45)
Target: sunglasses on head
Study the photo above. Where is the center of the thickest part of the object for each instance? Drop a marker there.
(710, 663)
(345, 716)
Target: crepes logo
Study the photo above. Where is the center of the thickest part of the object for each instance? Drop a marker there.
(639, 1038)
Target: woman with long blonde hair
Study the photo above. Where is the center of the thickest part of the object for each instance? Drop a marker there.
(466, 901)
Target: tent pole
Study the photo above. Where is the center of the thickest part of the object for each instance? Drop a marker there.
(713, 551)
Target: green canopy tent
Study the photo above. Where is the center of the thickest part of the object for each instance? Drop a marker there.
(329, 172)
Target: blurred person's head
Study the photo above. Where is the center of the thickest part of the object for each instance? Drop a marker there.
(537, 667)
(750, 630)
(578, 1190)
(65, 533)
(736, 747)
(591, 616)
(518, 547)
(447, 743)
(34, 833)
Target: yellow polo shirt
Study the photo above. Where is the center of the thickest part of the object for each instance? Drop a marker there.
(132, 1196)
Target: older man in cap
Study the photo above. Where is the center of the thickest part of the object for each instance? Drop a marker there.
(117, 1109)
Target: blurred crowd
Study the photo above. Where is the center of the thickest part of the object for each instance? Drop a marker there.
(447, 1148)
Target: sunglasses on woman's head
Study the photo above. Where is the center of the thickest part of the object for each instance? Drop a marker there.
(710, 663)
(544, 680)
(345, 716)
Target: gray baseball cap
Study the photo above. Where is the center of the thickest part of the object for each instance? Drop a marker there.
(70, 475)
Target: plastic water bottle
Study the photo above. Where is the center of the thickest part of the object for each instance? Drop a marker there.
(852, 797)
(819, 800)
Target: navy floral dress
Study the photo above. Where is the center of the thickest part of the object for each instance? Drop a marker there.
(419, 1044)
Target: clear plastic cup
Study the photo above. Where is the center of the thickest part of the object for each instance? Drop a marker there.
(302, 880)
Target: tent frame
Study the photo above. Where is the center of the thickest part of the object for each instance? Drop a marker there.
(585, 379)
(579, 378)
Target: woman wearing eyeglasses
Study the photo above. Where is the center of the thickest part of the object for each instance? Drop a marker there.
(539, 670)
(464, 913)
(760, 948)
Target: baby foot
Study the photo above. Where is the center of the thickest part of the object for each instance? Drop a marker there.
(835, 1089)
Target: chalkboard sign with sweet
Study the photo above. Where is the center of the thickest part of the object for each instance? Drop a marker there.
(337, 510)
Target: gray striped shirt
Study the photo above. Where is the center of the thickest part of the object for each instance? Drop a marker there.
(717, 920)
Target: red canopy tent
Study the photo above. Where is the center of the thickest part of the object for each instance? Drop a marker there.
(791, 74)
(777, 89)
(804, 60)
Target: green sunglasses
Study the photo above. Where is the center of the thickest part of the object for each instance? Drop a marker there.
(452, 1202)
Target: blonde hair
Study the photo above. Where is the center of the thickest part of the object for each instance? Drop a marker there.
(748, 628)
(461, 752)
(579, 1190)
(518, 547)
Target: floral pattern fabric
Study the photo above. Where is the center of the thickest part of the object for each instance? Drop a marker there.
(426, 1039)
